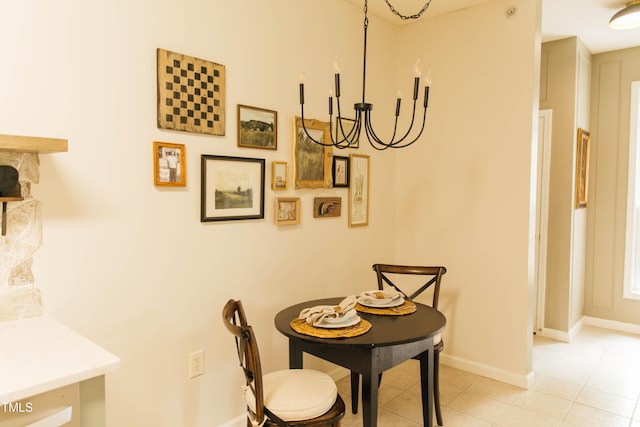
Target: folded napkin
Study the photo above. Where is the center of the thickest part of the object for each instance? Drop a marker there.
(315, 315)
(378, 294)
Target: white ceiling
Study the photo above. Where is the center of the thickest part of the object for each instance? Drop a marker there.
(586, 19)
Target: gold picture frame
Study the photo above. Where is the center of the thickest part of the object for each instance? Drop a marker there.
(312, 162)
(582, 168)
(287, 210)
(358, 190)
(169, 164)
(279, 176)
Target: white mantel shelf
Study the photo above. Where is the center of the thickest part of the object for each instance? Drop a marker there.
(32, 144)
(39, 354)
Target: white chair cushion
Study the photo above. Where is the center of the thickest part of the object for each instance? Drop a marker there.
(296, 394)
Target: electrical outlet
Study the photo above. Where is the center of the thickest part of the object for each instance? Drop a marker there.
(196, 363)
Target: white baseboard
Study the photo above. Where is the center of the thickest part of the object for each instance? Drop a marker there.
(239, 421)
(554, 334)
(612, 324)
(524, 381)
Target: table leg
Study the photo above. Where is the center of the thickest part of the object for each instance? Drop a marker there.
(426, 384)
(355, 386)
(370, 383)
(295, 355)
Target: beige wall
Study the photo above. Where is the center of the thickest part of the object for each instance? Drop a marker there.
(463, 198)
(613, 73)
(566, 81)
(130, 266)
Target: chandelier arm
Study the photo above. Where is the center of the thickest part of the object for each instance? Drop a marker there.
(345, 140)
(307, 132)
(424, 119)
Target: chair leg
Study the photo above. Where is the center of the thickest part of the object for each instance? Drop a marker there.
(436, 386)
(355, 387)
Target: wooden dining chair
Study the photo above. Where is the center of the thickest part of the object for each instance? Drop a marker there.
(394, 276)
(290, 397)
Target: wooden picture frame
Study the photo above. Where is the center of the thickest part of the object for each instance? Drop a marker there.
(287, 210)
(232, 188)
(279, 176)
(582, 168)
(340, 171)
(191, 94)
(257, 128)
(325, 207)
(169, 164)
(312, 162)
(359, 190)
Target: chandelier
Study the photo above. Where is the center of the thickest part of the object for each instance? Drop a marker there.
(348, 136)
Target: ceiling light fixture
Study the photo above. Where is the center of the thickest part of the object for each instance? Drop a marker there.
(627, 18)
(343, 136)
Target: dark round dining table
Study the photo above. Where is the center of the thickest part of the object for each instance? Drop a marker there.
(391, 340)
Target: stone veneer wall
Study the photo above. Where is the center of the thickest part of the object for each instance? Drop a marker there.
(19, 296)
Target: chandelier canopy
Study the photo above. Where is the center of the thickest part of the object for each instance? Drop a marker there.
(344, 137)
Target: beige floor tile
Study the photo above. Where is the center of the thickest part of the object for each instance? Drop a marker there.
(543, 403)
(453, 418)
(518, 417)
(636, 413)
(496, 390)
(556, 387)
(478, 405)
(599, 399)
(585, 416)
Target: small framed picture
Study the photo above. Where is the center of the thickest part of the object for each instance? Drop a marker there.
(232, 188)
(582, 169)
(340, 171)
(287, 210)
(169, 164)
(257, 128)
(279, 175)
(359, 190)
(325, 207)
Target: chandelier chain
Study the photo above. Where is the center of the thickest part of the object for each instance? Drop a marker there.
(414, 16)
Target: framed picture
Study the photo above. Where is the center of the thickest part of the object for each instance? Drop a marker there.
(279, 174)
(257, 128)
(582, 168)
(312, 162)
(169, 164)
(340, 171)
(325, 207)
(347, 127)
(232, 188)
(287, 210)
(191, 94)
(359, 190)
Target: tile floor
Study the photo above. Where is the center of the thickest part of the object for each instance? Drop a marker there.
(593, 381)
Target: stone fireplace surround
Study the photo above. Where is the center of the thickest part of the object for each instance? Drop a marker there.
(19, 296)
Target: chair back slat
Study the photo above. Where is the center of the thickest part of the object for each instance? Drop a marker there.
(235, 321)
(387, 273)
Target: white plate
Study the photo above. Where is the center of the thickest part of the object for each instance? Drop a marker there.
(394, 296)
(347, 321)
(381, 303)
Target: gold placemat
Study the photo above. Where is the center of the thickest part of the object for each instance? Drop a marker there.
(407, 307)
(302, 327)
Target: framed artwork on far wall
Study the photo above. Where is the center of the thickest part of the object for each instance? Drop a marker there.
(257, 128)
(169, 164)
(340, 171)
(312, 162)
(582, 168)
(279, 175)
(287, 210)
(359, 190)
(232, 188)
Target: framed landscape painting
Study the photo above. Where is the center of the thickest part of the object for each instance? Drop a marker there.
(257, 128)
(232, 188)
(312, 162)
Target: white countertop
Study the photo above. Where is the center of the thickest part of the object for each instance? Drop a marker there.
(38, 354)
